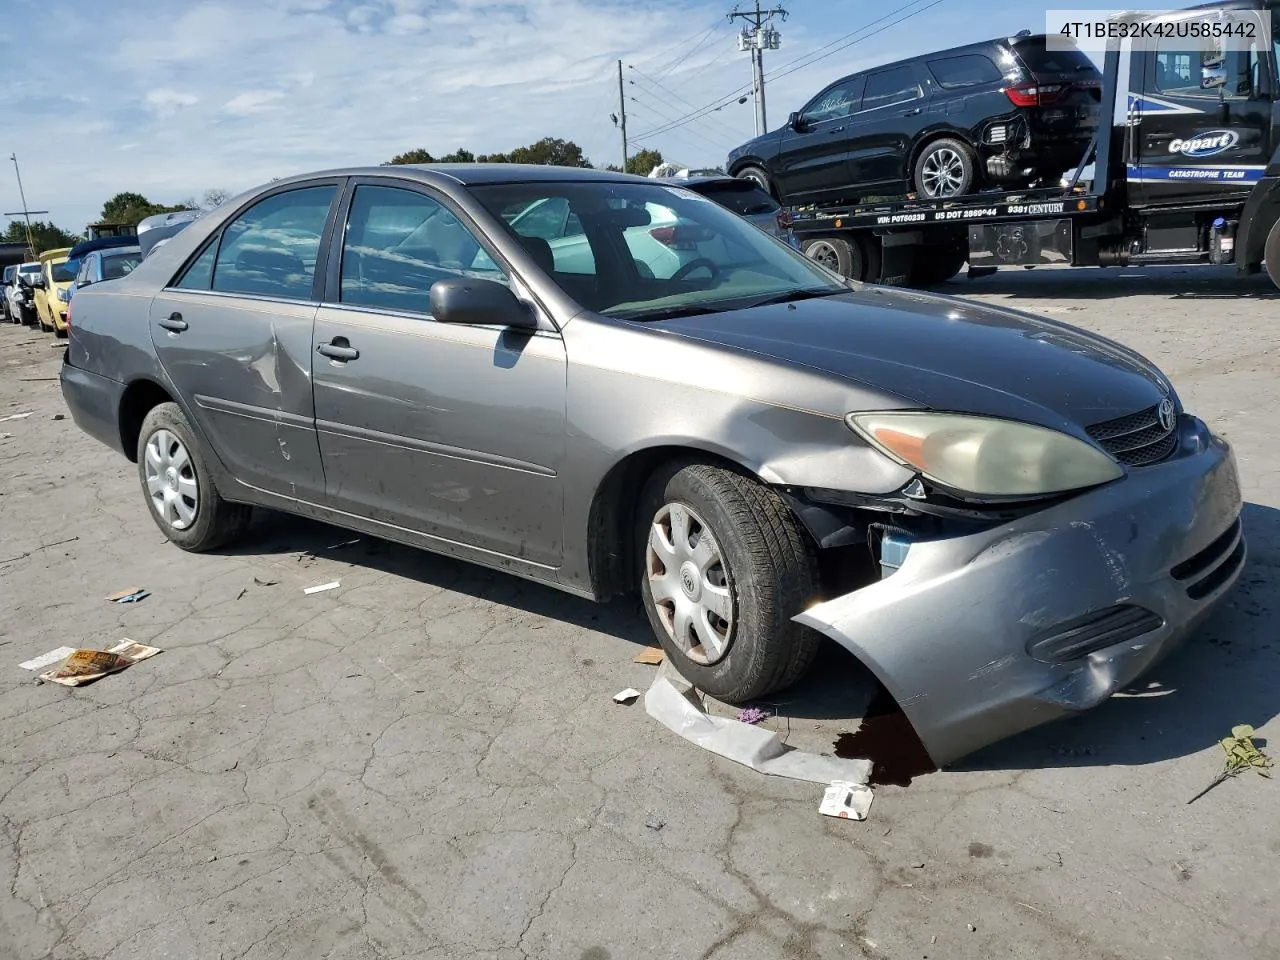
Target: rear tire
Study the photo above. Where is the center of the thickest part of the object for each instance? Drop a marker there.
(945, 168)
(740, 551)
(1271, 254)
(760, 177)
(838, 254)
(180, 492)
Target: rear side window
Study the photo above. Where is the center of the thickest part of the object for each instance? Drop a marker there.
(743, 197)
(954, 73)
(1044, 62)
(271, 248)
(891, 86)
(113, 268)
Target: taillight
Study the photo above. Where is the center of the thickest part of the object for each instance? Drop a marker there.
(785, 220)
(1034, 94)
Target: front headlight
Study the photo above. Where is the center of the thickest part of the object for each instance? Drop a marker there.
(985, 456)
(64, 294)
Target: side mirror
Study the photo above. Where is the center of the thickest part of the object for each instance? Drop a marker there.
(797, 123)
(469, 300)
(38, 282)
(83, 282)
(1212, 78)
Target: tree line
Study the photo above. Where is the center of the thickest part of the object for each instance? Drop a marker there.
(132, 208)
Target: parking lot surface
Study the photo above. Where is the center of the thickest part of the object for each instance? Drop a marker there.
(427, 761)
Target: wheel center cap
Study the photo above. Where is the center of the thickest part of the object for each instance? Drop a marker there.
(690, 581)
(171, 478)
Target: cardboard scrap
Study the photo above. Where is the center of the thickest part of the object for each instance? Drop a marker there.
(846, 800)
(651, 656)
(131, 595)
(86, 666)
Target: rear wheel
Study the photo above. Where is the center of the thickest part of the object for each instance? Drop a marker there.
(760, 177)
(838, 254)
(1271, 254)
(181, 494)
(945, 168)
(724, 569)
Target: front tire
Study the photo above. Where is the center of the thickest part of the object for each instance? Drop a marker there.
(759, 176)
(1271, 254)
(944, 169)
(724, 568)
(180, 492)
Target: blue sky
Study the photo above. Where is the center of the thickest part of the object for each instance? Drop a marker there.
(172, 98)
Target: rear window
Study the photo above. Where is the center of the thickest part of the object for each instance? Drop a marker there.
(1042, 61)
(968, 71)
(743, 197)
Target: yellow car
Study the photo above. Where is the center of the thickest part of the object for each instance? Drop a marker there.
(54, 291)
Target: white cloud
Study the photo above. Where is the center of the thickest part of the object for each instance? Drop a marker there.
(230, 93)
(165, 103)
(251, 102)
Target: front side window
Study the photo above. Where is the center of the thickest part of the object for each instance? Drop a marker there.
(837, 101)
(1181, 65)
(891, 86)
(398, 244)
(271, 248)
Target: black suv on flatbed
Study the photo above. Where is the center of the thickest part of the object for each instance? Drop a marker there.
(1006, 113)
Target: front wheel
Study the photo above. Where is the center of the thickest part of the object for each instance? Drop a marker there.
(758, 176)
(724, 568)
(181, 494)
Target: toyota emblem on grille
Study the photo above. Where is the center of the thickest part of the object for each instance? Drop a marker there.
(1166, 415)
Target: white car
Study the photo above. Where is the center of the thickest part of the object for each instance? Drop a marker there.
(18, 304)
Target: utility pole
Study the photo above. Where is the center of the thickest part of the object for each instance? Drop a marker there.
(757, 38)
(622, 108)
(31, 244)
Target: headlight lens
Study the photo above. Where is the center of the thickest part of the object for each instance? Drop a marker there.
(64, 294)
(985, 456)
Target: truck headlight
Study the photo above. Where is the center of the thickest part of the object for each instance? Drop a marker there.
(986, 456)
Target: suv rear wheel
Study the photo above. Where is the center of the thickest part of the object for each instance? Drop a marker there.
(945, 168)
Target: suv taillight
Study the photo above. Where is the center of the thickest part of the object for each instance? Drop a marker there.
(785, 220)
(1035, 94)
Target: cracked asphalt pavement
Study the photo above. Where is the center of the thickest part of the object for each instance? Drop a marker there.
(427, 761)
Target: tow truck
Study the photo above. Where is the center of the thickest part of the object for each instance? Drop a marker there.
(1190, 174)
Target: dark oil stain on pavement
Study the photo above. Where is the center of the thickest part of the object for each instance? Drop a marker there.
(980, 851)
(888, 740)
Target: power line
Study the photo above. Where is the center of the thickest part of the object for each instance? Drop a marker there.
(644, 76)
(680, 58)
(798, 64)
(718, 145)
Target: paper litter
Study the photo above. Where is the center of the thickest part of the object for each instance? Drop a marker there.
(628, 695)
(85, 666)
(848, 801)
(323, 587)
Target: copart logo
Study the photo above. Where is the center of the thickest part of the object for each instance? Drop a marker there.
(1205, 144)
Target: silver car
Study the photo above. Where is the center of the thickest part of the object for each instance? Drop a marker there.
(1004, 518)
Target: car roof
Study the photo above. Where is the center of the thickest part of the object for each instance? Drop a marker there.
(472, 174)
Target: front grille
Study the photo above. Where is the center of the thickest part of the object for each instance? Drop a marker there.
(1136, 440)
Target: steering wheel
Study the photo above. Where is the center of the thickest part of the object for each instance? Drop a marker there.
(693, 265)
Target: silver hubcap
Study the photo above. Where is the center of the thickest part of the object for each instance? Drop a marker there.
(824, 254)
(943, 173)
(689, 583)
(171, 480)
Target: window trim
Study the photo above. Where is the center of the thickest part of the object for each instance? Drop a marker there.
(331, 292)
(860, 82)
(215, 240)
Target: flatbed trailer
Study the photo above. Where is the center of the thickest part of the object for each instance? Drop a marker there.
(1188, 176)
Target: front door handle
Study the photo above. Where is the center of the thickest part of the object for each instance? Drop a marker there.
(174, 322)
(339, 349)
(911, 113)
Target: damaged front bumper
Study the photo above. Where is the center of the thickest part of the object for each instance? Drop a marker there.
(981, 636)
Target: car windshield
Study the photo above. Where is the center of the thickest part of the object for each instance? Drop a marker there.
(642, 251)
(29, 270)
(118, 265)
(64, 272)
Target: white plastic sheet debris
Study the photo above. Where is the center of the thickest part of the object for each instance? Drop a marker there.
(847, 801)
(48, 659)
(672, 701)
(626, 696)
(322, 588)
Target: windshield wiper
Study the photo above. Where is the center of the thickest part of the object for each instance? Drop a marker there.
(791, 296)
(667, 313)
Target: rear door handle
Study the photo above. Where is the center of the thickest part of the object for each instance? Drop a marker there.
(174, 322)
(339, 349)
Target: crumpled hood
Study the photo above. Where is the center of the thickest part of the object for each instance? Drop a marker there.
(946, 354)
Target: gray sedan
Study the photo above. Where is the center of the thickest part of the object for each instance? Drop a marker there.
(1004, 518)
